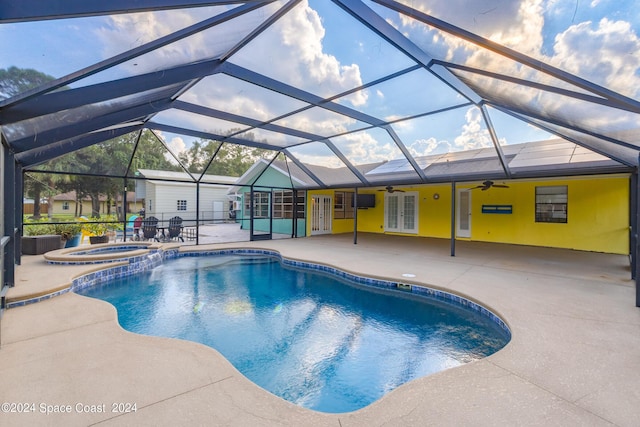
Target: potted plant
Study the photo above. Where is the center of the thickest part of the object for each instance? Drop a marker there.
(113, 226)
(69, 233)
(98, 231)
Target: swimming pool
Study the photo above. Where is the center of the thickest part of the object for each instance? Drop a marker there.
(302, 335)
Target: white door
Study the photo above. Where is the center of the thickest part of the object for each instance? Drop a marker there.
(401, 212)
(463, 220)
(321, 215)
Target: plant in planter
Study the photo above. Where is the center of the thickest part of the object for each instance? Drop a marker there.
(39, 228)
(113, 226)
(98, 231)
(39, 237)
(70, 234)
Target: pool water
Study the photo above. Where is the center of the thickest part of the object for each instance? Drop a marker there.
(302, 335)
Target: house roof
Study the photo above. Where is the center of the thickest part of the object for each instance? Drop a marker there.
(547, 158)
(415, 83)
(71, 197)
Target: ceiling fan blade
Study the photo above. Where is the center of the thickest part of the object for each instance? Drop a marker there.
(500, 186)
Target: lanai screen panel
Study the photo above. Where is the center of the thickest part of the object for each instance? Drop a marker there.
(562, 34)
(158, 150)
(368, 149)
(615, 150)
(270, 138)
(59, 47)
(321, 122)
(454, 130)
(319, 48)
(234, 160)
(110, 157)
(554, 107)
(206, 44)
(324, 164)
(64, 124)
(198, 122)
(226, 93)
(414, 93)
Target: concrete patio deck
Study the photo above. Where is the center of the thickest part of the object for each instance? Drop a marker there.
(574, 358)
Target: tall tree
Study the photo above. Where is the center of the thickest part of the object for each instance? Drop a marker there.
(13, 81)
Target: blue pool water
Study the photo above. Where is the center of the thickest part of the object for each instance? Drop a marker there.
(304, 336)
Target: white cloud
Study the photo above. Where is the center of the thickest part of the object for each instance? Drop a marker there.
(618, 54)
(425, 147)
(177, 146)
(474, 134)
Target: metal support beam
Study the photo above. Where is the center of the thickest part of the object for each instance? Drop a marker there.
(346, 161)
(633, 222)
(355, 217)
(197, 213)
(636, 219)
(453, 218)
(11, 248)
(406, 152)
(494, 139)
(37, 10)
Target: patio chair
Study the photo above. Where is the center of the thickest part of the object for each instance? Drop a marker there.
(137, 225)
(150, 228)
(175, 228)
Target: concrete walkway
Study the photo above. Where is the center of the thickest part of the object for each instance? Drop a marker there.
(574, 358)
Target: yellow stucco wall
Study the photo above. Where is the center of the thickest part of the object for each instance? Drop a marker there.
(598, 214)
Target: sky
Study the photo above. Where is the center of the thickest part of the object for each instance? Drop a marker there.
(319, 48)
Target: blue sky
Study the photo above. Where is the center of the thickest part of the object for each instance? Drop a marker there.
(323, 50)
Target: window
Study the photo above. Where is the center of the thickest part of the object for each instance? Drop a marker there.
(65, 206)
(551, 204)
(283, 204)
(343, 205)
(260, 204)
(182, 205)
(300, 204)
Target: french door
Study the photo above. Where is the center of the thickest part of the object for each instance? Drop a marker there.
(401, 212)
(321, 214)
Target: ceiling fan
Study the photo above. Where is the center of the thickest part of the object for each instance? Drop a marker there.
(488, 184)
(390, 189)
